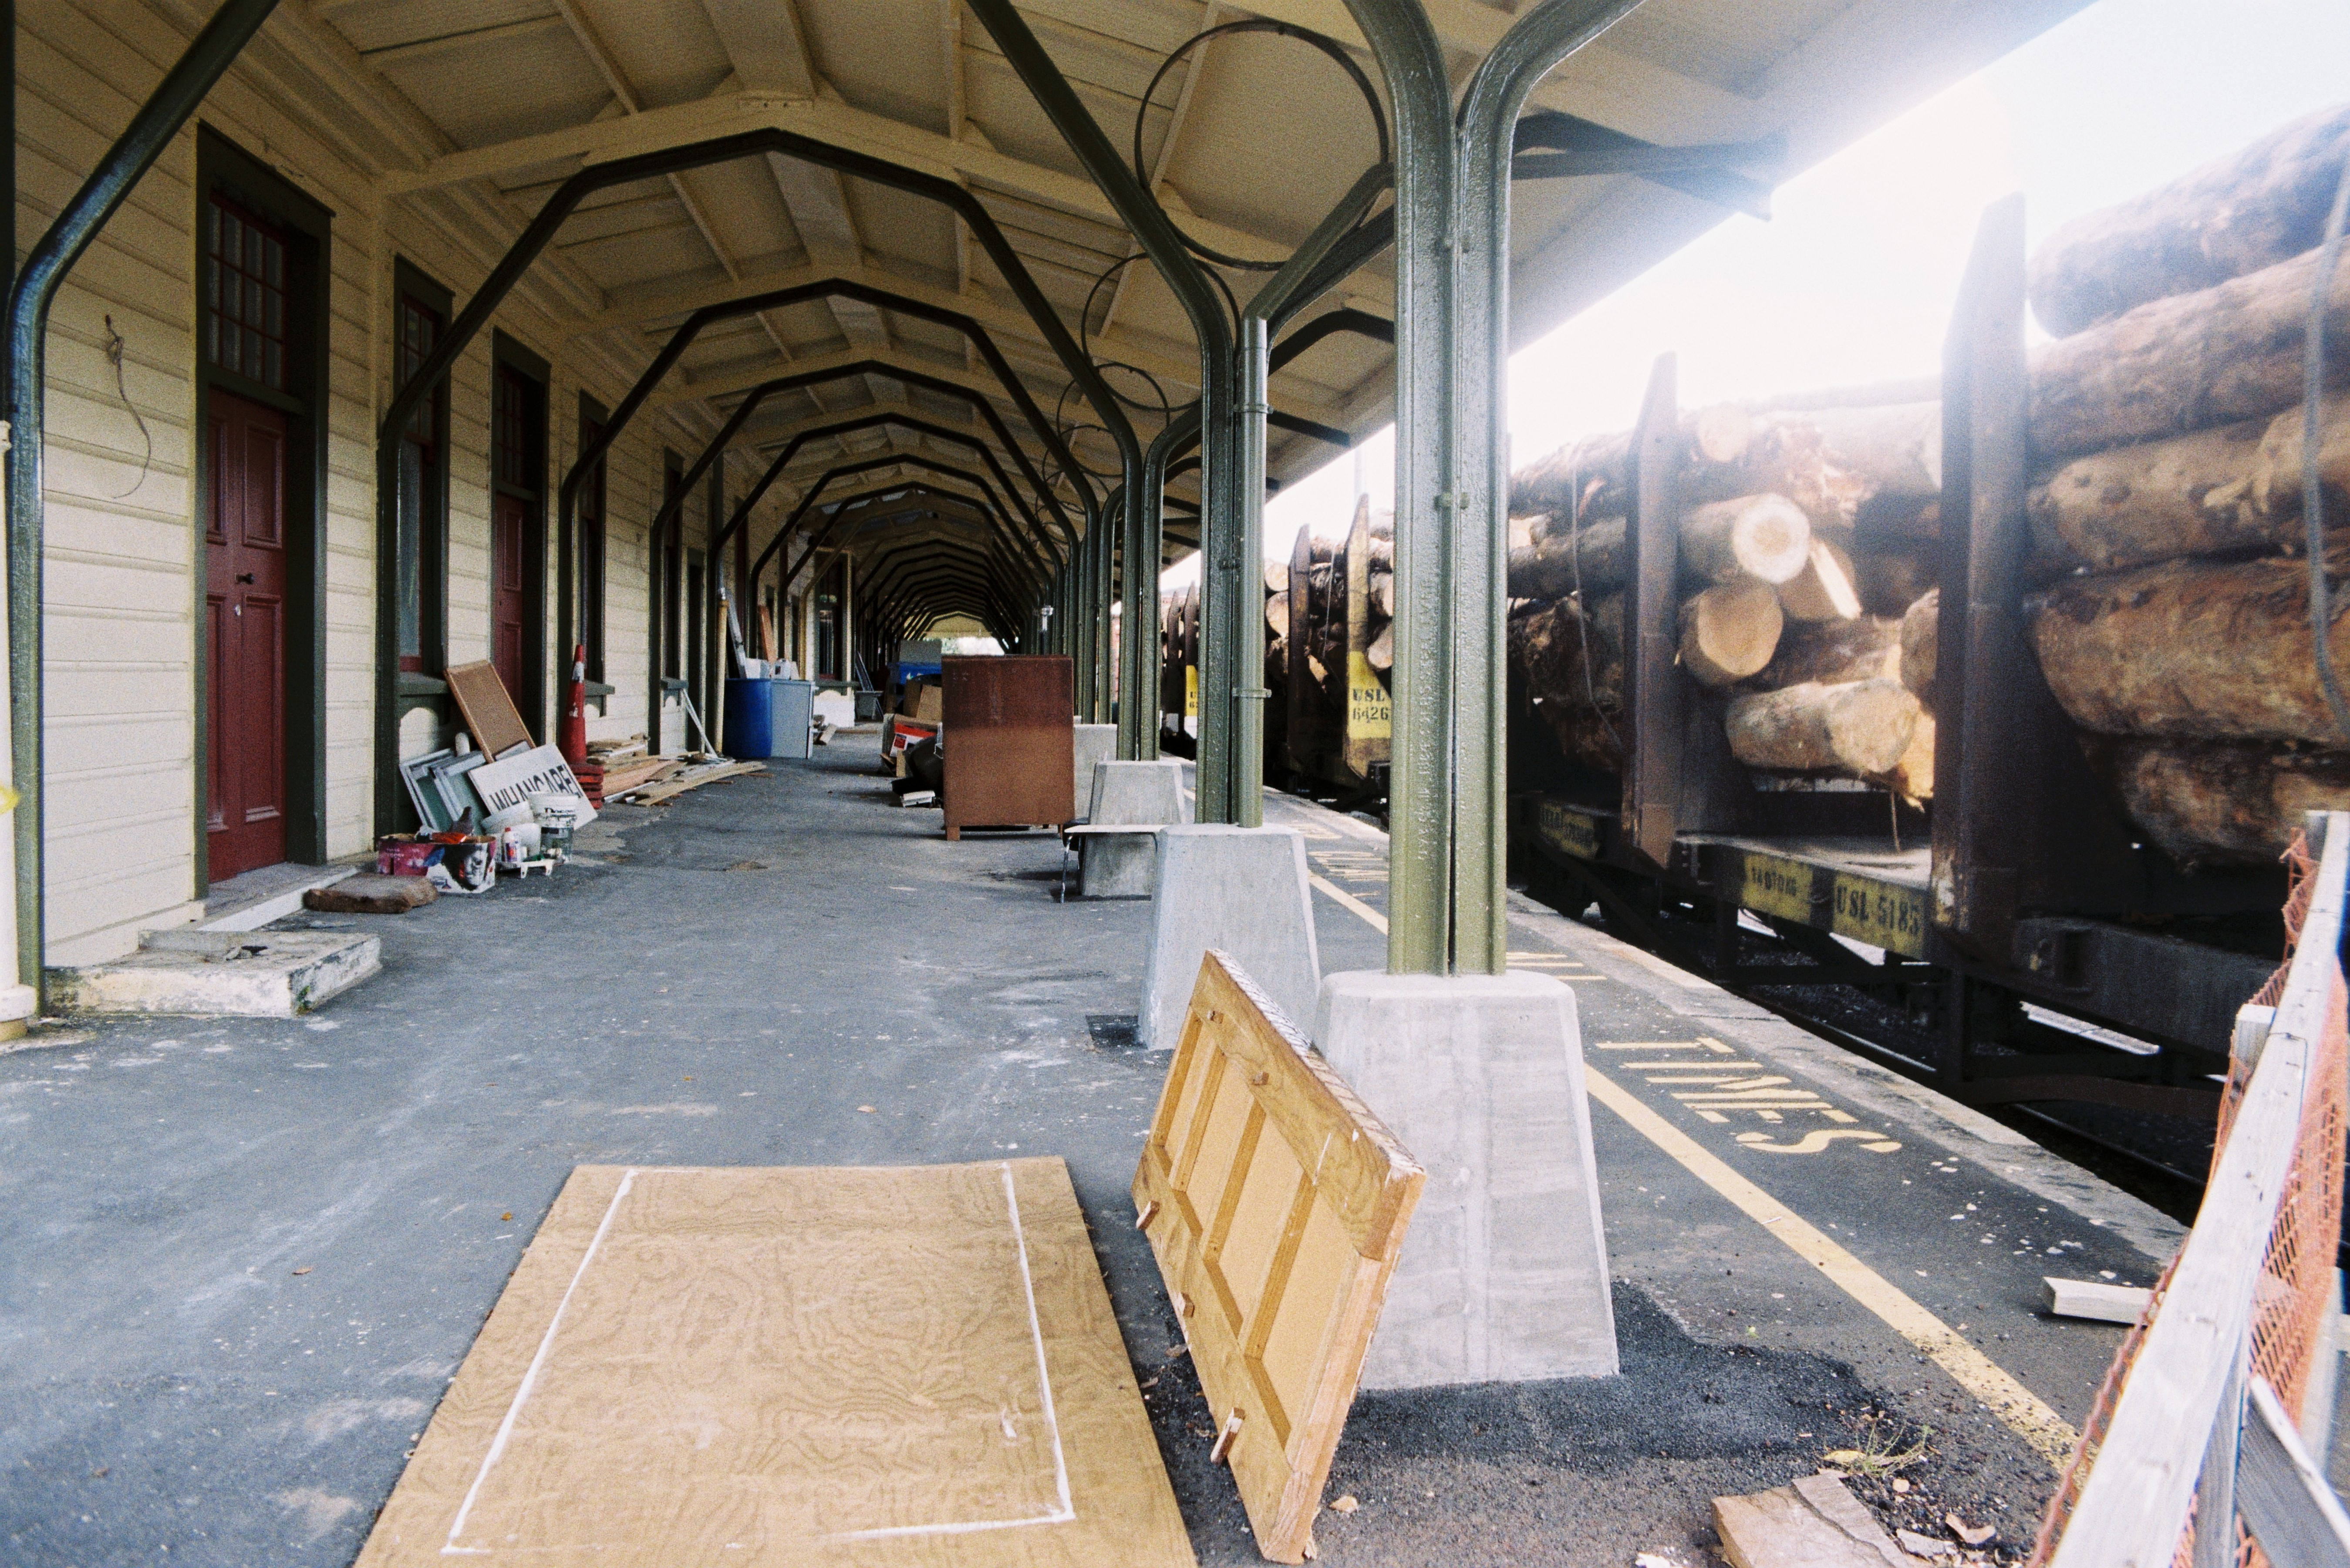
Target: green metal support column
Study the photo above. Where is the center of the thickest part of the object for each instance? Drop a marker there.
(1106, 681)
(1148, 663)
(1138, 707)
(208, 56)
(1081, 623)
(1497, 94)
(1445, 789)
(1282, 295)
(1420, 775)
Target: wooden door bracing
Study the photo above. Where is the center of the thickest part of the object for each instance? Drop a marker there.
(1276, 1204)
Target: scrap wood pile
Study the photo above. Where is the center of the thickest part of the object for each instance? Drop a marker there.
(630, 772)
(2170, 609)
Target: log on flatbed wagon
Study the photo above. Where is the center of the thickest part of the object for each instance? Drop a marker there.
(1866, 648)
(1563, 559)
(2191, 650)
(1859, 728)
(1764, 537)
(2185, 363)
(1730, 631)
(2234, 215)
(2223, 802)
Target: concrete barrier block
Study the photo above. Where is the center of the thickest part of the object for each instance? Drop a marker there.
(1095, 744)
(1144, 795)
(1242, 890)
(1503, 1276)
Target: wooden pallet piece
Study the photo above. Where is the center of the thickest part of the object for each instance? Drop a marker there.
(654, 795)
(487, 708)
(1276, 1204)
(796, 1367)
(619, 779)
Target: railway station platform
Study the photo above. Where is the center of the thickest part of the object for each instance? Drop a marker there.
(247, 1256)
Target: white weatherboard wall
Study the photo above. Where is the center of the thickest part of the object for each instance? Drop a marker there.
(124, 555)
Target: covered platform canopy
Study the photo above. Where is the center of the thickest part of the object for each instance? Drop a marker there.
(1025, 263)
(1247, 139)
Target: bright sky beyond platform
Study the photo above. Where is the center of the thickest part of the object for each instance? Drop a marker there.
(1853, 277)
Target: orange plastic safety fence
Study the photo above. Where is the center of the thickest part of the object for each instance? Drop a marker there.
(2292, 1297)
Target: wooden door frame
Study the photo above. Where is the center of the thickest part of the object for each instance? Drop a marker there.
(570, 612)
(664, 569)
(695, 572)
(505, 354)
(224, 168)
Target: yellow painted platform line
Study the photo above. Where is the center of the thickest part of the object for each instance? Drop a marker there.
(2018, 1408)
(1377, 920)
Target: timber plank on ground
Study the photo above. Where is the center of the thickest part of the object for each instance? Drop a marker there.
(654, 795)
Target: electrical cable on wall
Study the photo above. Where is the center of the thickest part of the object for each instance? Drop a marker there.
(114, 356)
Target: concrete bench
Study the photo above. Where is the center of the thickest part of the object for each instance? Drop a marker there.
(1117, 848)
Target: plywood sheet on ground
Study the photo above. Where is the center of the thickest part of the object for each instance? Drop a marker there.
(1276, 1204)
(799, 1365)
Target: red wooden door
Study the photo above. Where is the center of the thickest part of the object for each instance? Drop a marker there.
(245, 600)
(506, 593)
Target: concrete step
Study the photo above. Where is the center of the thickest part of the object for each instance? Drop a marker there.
(256, 974)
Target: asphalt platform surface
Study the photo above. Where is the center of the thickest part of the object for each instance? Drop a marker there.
(240, 1259)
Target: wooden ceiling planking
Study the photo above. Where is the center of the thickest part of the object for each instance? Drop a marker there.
(885, 56)
(1270, 137)
(913, 232)
(1230, 165)
(370, 24)
(1156, 26)
(667, 51)
(1731, 47)
(545, 83)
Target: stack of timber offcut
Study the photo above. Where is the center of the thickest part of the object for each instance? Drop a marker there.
(1808, 535)
(2172, 611)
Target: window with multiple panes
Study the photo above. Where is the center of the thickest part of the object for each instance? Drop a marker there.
(417, 515)
(245, 295)
(510, 431)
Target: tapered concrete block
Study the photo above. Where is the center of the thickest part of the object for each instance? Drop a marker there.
(1145, 796)
(1242, 890)
(1095, 744)
(1503, 1276)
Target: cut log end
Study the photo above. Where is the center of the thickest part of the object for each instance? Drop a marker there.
(1766, 538)
(1730, 632)
(1920, 643)
(1823, 590)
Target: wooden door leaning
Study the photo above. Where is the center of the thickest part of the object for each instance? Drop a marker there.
(1276, 1204)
